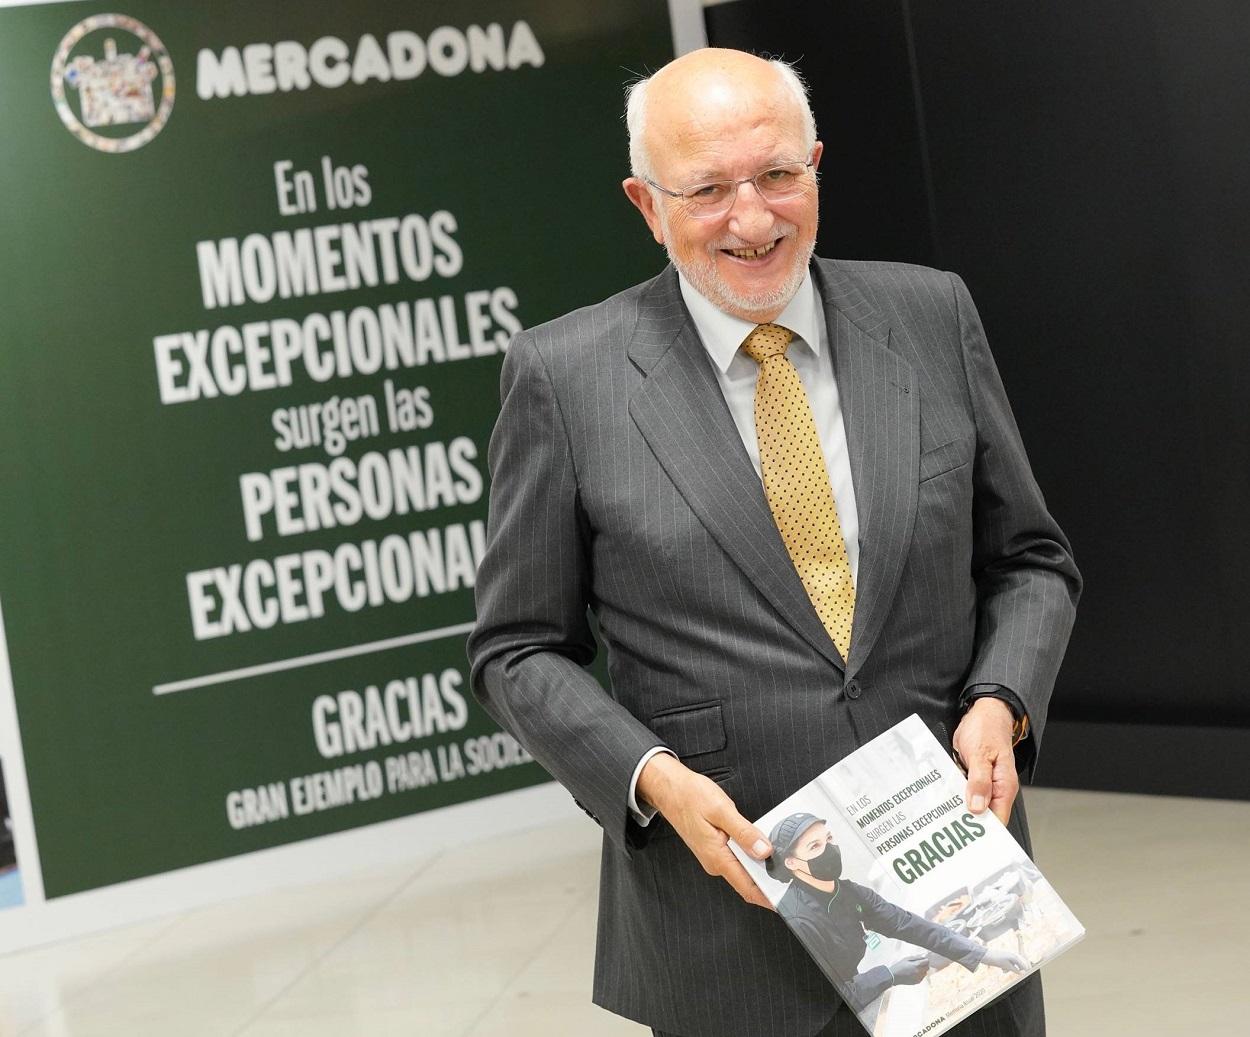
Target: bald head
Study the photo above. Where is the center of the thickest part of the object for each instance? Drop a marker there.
(701, 93)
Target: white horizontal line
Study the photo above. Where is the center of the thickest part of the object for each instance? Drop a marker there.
(314, 659)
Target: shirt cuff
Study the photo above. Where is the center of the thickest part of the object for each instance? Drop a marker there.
(644, 816)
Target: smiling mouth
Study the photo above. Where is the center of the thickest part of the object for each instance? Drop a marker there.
(758, 252)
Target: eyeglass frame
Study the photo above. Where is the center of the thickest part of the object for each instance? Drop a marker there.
(694, 208)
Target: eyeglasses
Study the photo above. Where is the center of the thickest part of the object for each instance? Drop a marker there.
(713, 198)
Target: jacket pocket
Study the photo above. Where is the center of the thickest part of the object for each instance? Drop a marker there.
(943, 459)
(694, 730)
(696, 733)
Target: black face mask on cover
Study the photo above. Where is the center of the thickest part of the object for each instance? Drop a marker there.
(826, 865)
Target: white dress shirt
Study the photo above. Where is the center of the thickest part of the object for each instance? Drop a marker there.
(722, 335)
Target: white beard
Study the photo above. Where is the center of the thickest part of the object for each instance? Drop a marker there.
(759, 306)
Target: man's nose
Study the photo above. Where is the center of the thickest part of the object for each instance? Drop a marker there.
(750, 216)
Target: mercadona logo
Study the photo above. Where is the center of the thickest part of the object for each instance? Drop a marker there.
(112, 83)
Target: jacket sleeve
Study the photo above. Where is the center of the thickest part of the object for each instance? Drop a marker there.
(1027, 582)
(891, 920)
(532, 640)
(858, 989)
(868, 986)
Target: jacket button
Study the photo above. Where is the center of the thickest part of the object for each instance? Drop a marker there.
(852, 689)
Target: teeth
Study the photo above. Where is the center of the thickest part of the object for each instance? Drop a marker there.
(751, 253)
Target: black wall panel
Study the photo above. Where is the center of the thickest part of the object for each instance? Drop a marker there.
(873, 188)
(1084, 167)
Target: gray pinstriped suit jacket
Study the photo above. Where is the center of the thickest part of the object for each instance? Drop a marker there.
(620, 482)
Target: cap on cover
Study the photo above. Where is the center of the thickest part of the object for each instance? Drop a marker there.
(786, 832)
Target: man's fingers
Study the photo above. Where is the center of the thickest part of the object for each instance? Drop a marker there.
(737, 876)
(740, 830)
(1001, 802)
(726, 822)
(992, 783)
(1006, 785)
(706, 824)
(983, 741)
(750, 838)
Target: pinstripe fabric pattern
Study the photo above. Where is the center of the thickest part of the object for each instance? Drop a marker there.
(619, 482)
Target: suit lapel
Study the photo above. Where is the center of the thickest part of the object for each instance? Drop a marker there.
(682, 414)
(881, 411)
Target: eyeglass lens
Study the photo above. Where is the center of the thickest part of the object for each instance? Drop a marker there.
(775, 184)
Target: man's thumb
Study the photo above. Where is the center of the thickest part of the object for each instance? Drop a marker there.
(979, 775)
(752, 839)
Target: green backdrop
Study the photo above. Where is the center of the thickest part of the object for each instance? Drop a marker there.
(112, 497)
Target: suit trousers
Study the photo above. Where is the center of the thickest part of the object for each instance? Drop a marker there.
(1018, 1013)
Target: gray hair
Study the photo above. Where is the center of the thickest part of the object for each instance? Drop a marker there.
(636, 105)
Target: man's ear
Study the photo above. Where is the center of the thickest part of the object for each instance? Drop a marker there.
(790, 862)
(643, 200)
(818, 149)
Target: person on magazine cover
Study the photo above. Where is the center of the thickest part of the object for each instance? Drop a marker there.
(792, 493)
(830, 915)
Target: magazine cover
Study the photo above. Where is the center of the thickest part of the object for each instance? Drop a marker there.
(917, 910)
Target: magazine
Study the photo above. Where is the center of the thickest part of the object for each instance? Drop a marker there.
(918, 910)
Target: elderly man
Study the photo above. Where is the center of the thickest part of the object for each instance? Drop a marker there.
(794, 498)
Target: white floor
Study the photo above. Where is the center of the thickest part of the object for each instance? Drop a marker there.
(497, 939)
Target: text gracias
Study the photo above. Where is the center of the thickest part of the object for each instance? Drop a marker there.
(403, 709)
(935, 847)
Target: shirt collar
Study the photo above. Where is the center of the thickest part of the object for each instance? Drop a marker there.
(723, 334)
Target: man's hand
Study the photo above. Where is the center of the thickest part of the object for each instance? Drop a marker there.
(1007, 961)
(706, 819)
(983, 742)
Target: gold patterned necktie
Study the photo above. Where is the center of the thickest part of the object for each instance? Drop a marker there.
(796, 483)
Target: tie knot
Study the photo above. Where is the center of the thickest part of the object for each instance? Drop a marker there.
(767, 340)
